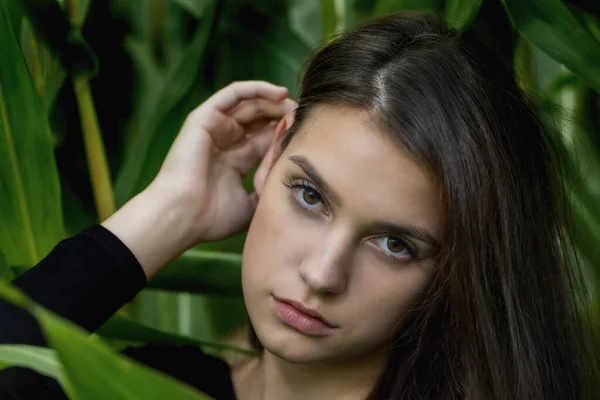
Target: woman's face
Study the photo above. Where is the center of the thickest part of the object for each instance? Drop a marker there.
(347, 226)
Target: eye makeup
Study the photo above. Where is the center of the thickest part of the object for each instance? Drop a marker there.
(305, 195)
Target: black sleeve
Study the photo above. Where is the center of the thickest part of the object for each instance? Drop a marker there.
(85, 279)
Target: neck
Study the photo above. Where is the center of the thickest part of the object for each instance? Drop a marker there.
(275, 378)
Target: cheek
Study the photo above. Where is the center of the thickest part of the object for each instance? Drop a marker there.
(382, 300)
(273, 243)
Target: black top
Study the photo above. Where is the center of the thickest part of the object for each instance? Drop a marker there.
(86, 279)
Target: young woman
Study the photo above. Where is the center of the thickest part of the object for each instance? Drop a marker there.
(407, 238)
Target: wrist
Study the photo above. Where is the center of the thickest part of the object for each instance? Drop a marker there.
(155, 226)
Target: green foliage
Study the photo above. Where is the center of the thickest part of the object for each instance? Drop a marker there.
(172, 54)
(41, 359)
(31, 218)
(554, 29)
(89, 369)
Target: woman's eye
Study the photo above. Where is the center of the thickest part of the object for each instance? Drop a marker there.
(309, 197)
(396, 248)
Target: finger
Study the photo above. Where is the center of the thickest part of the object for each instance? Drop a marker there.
(251, 150)
(232, 94)
(250, 110)
(224, 130)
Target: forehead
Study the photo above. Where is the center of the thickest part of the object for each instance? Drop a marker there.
(371, 173)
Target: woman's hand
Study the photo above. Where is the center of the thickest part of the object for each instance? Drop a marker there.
(198, 194)
(219, 143)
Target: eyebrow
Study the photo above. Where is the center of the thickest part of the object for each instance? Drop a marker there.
(312, 173)
(395, 229)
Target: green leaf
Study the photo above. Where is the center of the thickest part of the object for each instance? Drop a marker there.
(31, 218)
(550, 25)
(356, 12)
(161, 120)
(202, 272)
(272, 50)
(92, 370)
(391, 6)
(460, 14)
(40, 359)
(302, 16)
(195, 7)
(328, 18)
(52, 24)
(123, 328)
(6, 273)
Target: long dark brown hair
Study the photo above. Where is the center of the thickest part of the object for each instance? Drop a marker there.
(503, 317)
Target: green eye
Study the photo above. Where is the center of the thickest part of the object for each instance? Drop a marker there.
(395, 245)
(310, 197)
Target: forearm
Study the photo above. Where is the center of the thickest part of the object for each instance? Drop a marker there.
(155, 227)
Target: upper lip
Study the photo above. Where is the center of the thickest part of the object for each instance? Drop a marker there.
(308, 311)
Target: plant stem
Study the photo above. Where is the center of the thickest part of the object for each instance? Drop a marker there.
(94, 148)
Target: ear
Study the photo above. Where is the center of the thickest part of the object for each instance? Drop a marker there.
(273, 153)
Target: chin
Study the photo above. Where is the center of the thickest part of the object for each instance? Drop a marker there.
(293, 346)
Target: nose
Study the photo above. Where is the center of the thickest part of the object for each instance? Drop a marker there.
(326, 268)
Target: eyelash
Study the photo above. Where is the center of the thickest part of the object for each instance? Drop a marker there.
(295, 185)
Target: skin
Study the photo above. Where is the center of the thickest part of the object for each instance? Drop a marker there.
(330, 257)
(326, 252)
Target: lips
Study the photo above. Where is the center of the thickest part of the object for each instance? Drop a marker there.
(303, 319)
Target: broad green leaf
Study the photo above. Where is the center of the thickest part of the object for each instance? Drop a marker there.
(65, 40)
(92, 370)
(302, 15)
(157, 128)
(524, 66)
(40, 359)
(195, 7)
(460, 14)
(391, 6)
(45, 69)
(271, 49)
(97, 372)
(550, 25)
(31, 219)
(202, 272)
(123, 328)
(328, 18)
(6, 273)
(591, 6)
(356, 11)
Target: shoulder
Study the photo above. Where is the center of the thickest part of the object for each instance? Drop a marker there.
(188, 364)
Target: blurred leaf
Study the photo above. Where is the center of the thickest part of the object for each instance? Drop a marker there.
(40, 359)
(586, 237)
(202, 272)
(31, 219)
(92, 370)
(147, 71)
(195, 7)
(391, 6)
(122, 328)
(460, 14)
(550, 25)
(44, 67)
(272, 50)
(591, 6)
(524, 66)
(6, 273)
(154, 138)
(302, 15)
(356, 11)
(47, 73)
(328, 18)
(52, 24)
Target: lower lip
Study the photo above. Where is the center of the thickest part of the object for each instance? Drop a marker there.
(300, 321)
